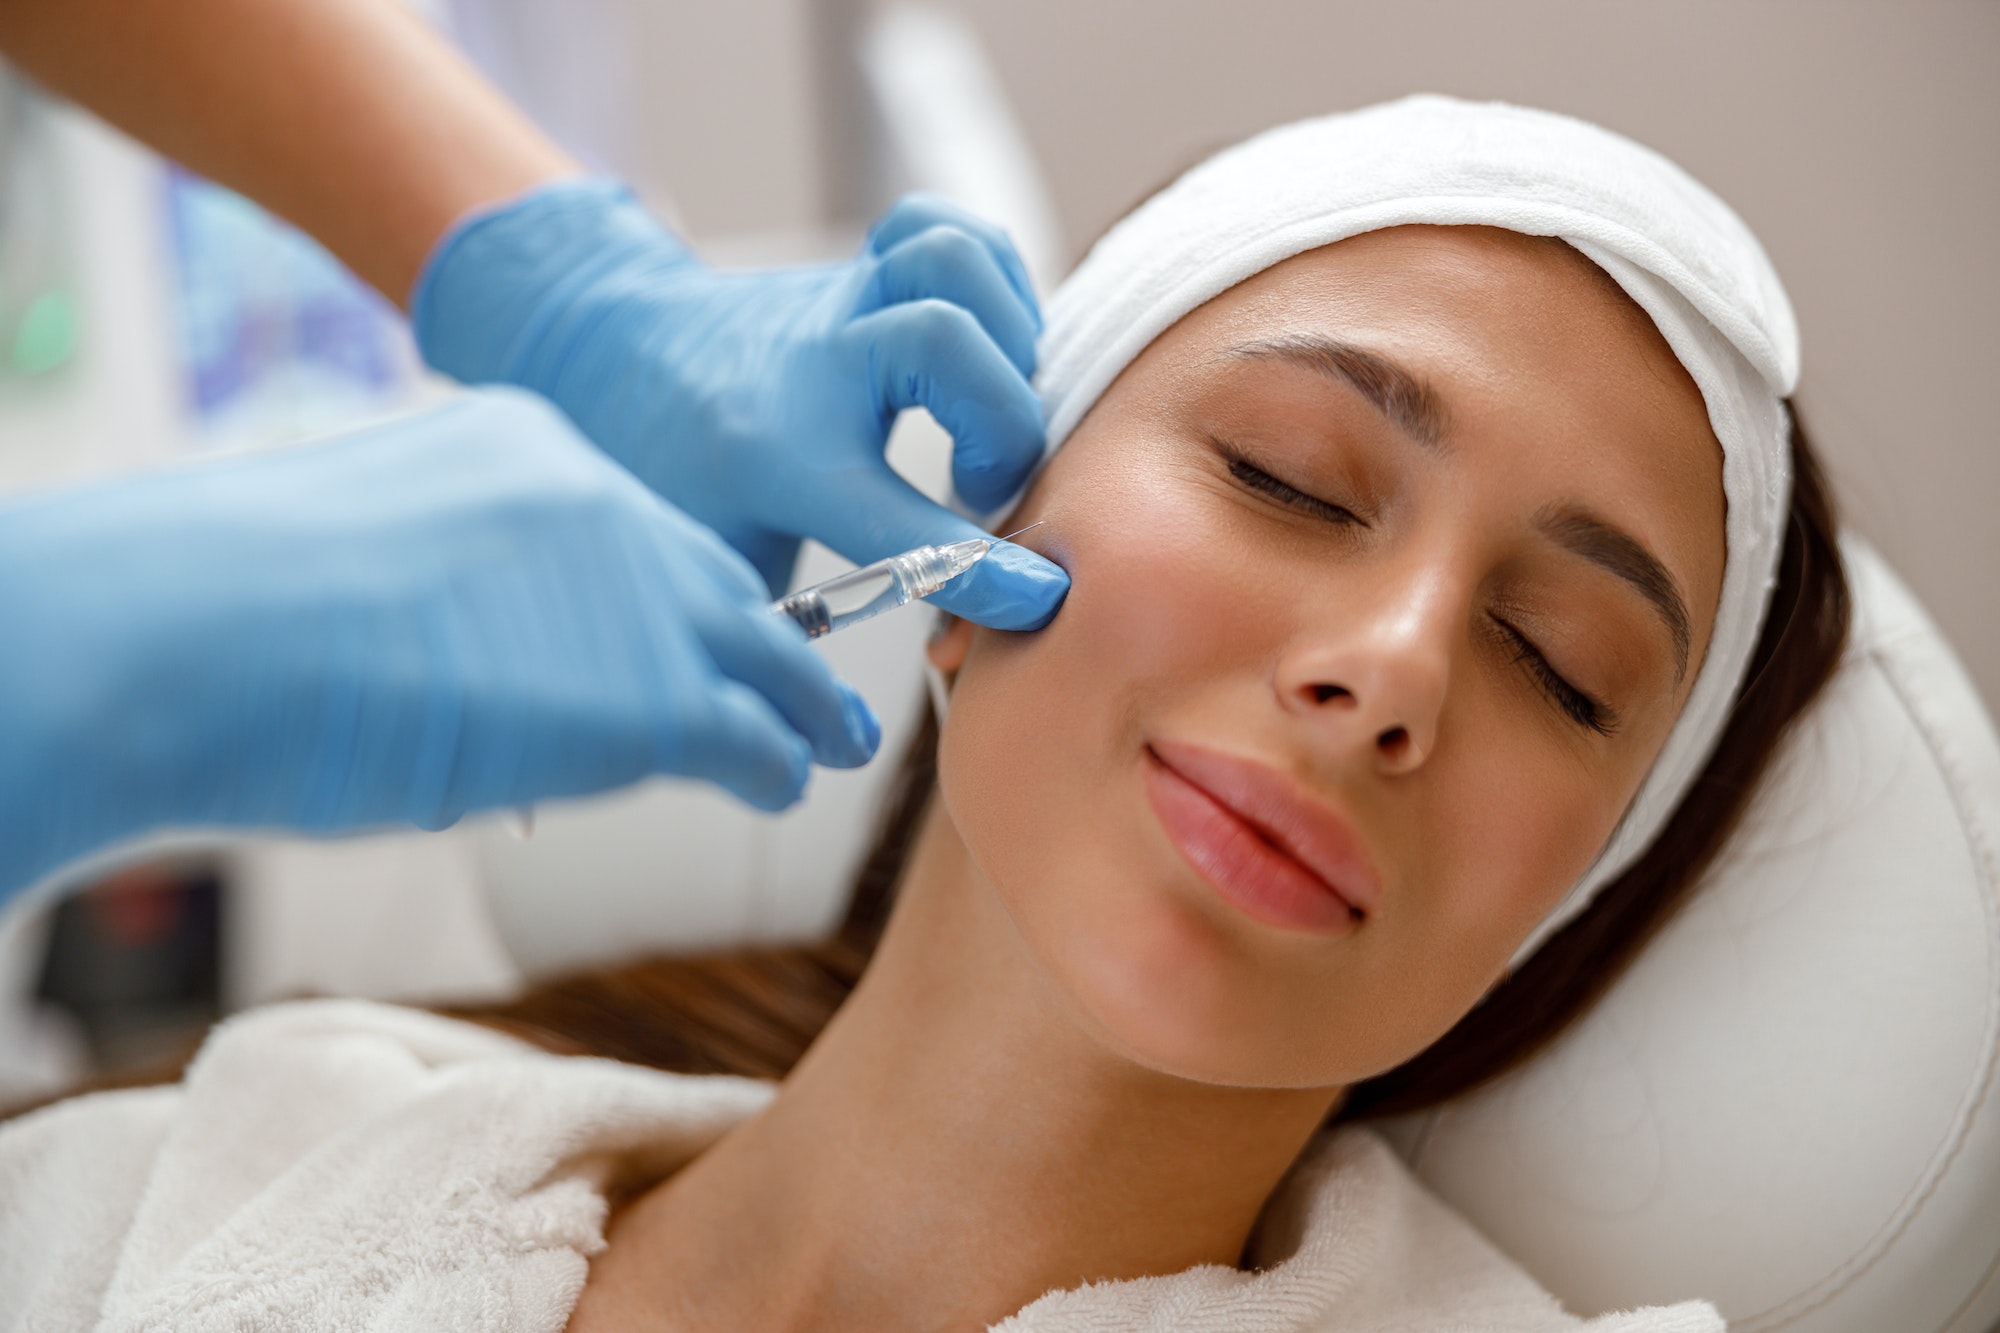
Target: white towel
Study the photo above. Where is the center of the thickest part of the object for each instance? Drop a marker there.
(1674, 247)
(341, 1165)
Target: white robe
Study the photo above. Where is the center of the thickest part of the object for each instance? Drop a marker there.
(341, 1165)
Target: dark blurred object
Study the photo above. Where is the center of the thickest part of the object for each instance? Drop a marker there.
(136, 960)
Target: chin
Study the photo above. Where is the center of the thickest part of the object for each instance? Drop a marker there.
(1164, 984)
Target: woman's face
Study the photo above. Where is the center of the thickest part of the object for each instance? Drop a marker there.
(1392, 567)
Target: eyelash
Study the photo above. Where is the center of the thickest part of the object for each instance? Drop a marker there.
(1259, 480)
(1580, 707)
(1574, 703)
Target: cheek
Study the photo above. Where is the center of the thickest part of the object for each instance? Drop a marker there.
(1507, 830)
(1151, 613)
(1040, 758)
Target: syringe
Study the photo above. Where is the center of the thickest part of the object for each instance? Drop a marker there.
(850, 598)
(847, 599)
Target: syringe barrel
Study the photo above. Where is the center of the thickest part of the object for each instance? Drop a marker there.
(883, 586)
(851, 597)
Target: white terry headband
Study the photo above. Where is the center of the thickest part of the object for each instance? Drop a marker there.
(1674, 247)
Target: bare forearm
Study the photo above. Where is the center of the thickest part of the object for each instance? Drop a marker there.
(351, 118)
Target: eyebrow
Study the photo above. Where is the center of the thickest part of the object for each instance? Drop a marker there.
(1583, 533)
(1397, 394)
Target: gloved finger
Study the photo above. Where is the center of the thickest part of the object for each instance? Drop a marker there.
(948, 264)
(916, 212)
(876, 514)
(1012, 588)
(686, 542)
(934, 355)
(769, 654)
(730, 736)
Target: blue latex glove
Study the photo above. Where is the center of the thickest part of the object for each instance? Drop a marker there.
(760, 402)
(469, 609)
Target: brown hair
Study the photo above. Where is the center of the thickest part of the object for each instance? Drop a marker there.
(754, 1012)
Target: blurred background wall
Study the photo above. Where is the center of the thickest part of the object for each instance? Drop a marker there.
(1860, 138)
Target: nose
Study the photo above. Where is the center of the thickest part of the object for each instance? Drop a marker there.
(1372, 685)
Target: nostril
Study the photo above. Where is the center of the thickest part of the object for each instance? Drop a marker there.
(1326, 694)
(1393, 742)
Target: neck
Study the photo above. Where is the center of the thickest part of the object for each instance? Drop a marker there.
(957, 1143)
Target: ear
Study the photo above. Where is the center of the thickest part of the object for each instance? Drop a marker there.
(949, 645)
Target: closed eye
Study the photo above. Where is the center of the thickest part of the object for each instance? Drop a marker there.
(1286, 494)
(1578, 706)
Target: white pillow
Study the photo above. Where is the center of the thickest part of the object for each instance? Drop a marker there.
(1787, 1105)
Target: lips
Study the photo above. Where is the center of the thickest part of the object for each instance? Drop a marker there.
(1280, 856)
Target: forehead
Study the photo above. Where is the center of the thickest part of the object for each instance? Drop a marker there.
(1522, 336)
(1517, 301)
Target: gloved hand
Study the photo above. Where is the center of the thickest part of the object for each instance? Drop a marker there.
(468, 609)
(760, 402)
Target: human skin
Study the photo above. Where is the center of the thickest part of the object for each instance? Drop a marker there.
(1081, 1053)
